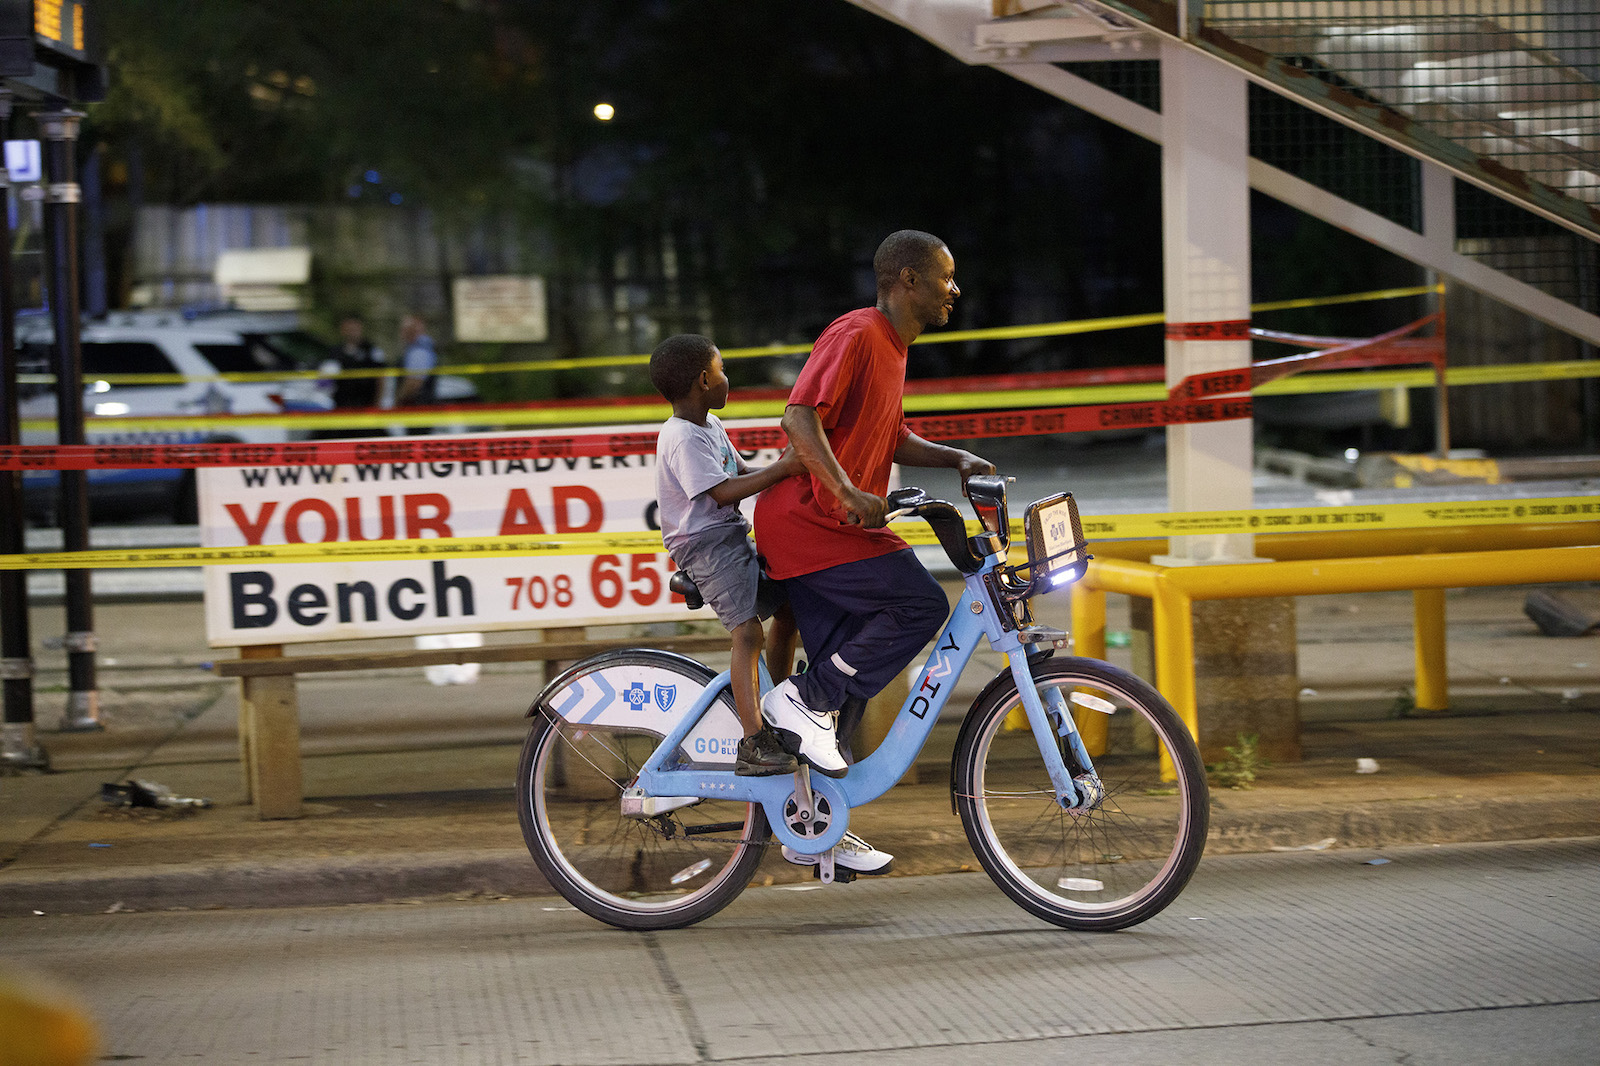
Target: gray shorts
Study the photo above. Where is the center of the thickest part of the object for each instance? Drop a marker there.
(724, 564)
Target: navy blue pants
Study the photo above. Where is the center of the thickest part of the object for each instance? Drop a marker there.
(861, 623)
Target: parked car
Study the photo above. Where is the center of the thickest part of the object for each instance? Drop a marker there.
(280, 331)
(148, 345)
(197, 346)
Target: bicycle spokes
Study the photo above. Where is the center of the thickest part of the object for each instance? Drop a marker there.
(1128, 845)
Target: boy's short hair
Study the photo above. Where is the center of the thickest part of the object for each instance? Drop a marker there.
(677, 361)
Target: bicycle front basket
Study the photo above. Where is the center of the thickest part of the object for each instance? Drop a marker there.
(1057, 552)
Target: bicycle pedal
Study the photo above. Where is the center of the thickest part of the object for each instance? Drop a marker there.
(841, 875)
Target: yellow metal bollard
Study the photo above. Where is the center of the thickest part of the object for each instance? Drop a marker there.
(1173, 620)
(1088, 622)
(1433, 675)
(1089, 641)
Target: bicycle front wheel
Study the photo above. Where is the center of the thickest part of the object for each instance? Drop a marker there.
(672, 869)
(1118, 860)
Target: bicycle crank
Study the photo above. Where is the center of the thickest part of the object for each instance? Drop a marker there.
(806, 813)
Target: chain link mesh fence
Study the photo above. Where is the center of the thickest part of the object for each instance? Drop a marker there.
(1513, 81)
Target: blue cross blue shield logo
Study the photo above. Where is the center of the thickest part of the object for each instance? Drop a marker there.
(636, 695)
(665, 694)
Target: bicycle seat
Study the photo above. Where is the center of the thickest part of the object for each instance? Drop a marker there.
(683, 585)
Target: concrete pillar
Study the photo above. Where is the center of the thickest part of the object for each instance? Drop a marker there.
(1246, 673)
(1205, 203)
(1245, 662)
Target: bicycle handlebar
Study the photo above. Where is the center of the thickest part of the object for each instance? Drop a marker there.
(947, 523)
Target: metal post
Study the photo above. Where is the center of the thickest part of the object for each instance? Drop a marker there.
(59, 129)
(1441, 391)
(17, 746)
(1089, 641)
(1428, 629)
(1172, 623)
(1438, 189)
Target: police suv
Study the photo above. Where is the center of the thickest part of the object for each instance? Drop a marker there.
(153, 343)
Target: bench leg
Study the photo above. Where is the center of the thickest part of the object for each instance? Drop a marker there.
(247, 729)
(553, 667)
(269, 739)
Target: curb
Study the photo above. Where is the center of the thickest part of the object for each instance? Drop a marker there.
(288, 883)
(329, 882)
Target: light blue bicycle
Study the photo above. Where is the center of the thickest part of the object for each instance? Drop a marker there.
(630, 806)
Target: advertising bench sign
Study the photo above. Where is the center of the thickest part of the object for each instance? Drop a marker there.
(281, 603)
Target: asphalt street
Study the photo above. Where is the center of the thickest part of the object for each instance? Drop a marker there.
(1485, 953)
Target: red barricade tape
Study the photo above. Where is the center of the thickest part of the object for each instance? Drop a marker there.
(1027, 422)
(1232, 330)
(1212, 397)
(1386, 349)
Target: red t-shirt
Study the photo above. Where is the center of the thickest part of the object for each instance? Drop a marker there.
(855, 377)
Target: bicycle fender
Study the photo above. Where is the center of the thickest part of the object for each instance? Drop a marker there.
(618, 690)
(563, 679)
(967, 723)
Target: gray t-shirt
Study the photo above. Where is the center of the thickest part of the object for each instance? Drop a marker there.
(690, 461)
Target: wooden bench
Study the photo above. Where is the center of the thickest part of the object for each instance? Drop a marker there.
(269, 709)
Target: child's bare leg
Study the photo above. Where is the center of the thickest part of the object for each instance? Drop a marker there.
(745, 682)
(780, 643)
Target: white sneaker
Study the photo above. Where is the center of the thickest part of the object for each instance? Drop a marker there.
(852, 853)
(808, 733)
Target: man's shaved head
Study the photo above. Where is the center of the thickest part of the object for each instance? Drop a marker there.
(904, 248)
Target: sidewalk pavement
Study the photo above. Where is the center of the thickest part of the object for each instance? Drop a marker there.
(409, 787)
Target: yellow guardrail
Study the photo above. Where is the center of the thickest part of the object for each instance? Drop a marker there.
(1424, 562)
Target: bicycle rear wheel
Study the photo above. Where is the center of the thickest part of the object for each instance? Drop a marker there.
(1115, 863)
(662, 872)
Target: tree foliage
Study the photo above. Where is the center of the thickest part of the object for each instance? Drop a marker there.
(294, 100)
(759, 150)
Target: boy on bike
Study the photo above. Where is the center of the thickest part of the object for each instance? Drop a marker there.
(700, 480)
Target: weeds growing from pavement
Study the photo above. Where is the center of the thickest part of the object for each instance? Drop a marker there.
(1244, 762)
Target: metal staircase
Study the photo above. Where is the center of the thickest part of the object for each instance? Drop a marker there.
(1504, 89)
(1485, 114)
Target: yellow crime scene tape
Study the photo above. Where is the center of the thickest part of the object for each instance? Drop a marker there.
(1095, 527)
(1042, 329)
(656, 411)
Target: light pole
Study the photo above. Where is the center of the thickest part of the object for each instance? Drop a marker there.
(59, 130)
(18, 749)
